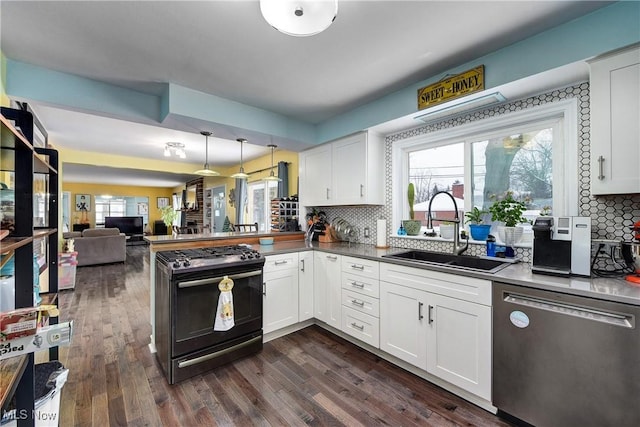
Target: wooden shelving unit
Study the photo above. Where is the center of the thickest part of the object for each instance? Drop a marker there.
(34, 169)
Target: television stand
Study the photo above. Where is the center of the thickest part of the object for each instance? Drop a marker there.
(136, 239)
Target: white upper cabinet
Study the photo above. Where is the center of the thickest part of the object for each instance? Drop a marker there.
(348, 171)
(615, 122)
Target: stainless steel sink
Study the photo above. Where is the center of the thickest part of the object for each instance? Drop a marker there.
(465, 262)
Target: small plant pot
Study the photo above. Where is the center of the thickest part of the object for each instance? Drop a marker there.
(412, 226)
(479, 231)
(510, 235)
(447, 231)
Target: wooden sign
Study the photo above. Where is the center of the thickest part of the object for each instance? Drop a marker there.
(451, 88)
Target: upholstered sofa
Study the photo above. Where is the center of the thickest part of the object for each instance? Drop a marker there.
(99, 245)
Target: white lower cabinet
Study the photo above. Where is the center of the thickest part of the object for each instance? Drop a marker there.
(403, 325)
(459, 343)
(305, 286)
(360, 303)
(447, 337)
(327, 294)
(280, 292)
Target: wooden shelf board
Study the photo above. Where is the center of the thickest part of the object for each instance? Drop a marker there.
(11, 371)
(10, 244)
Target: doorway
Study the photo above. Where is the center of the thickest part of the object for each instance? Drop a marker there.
(219, 207)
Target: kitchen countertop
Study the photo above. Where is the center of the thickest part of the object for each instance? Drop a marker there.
(608, 289)
(177, 238)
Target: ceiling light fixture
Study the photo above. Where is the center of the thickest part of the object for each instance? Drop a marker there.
(299, 18)
(206, 171)
(176, 148)
(240, 174)
(272, 176)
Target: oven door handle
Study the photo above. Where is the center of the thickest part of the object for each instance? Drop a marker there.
(196, 360)
(214, 280)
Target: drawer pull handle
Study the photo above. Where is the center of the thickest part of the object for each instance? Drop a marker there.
(332, 257)
(284, 261)
(359, 327)
(302, 269)
(264, 288)
(357, 267)
(357, 285)
(361, 190)
(430, 311)
(358, 303)
(327, 194)
(420, 316)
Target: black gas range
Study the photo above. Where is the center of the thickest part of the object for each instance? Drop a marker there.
(214, 257)
(187, 297)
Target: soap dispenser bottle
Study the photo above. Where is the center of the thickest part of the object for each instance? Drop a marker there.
(402, 231)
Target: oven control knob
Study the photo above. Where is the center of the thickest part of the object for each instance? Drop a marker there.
(257, 254)
(249, 255)
(243, 256)
(176, 264)
(187, 262)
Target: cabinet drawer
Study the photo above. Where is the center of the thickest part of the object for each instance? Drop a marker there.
(280, 262)
(361, 285)
(361, 267)
(362, 303)
(361, 326)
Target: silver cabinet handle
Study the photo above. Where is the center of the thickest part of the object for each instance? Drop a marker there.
(420, 316)
(355, 325)
(358, 303)
(357, 267)
(332, 257)
(264, 289)
(216, 280)
(357, 285)
(302, 261)
(361, 190)
(284, 261)
(601, 168)
(430, 311)
(327, 193)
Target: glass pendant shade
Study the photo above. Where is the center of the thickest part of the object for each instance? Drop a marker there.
(205, 171)
(240, 174)
(299, 17)
(272, 176)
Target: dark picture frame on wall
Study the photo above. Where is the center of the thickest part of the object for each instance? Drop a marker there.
(83, 202)
(163, 202)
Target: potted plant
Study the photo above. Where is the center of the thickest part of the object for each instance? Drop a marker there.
(508, 211)
(475, 219)
(411, 226)
(168, 216)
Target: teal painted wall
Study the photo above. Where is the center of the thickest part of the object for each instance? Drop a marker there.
(606, 29)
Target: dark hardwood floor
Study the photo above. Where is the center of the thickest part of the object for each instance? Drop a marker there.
(308, 377)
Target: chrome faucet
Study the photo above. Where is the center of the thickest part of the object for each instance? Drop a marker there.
(457, 249)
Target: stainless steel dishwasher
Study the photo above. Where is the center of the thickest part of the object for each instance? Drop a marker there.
(565, 360)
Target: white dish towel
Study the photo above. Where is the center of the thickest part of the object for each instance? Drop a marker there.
(224, 313)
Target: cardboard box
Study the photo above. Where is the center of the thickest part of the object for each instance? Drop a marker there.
(18, 323)
(49, 336)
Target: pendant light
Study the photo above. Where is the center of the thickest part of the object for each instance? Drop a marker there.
(206, 171)
(299, 18)
(271, 176)
(240, 174)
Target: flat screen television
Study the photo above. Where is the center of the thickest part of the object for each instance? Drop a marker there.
(129, 225)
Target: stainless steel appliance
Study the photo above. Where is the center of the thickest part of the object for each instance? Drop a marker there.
(562, 245)
(186, 298)
(565, 360)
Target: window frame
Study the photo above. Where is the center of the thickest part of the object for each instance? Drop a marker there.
(565, 153)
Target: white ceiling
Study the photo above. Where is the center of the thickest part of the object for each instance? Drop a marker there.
(225, 48)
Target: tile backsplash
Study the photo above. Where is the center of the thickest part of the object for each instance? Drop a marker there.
(612, 216)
